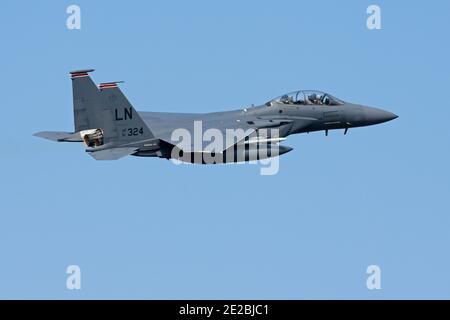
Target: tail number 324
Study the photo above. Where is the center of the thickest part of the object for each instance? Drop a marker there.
(130, 132)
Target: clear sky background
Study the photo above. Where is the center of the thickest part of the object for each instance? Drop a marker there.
(146, 228)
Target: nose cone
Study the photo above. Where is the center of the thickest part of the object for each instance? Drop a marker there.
(375, 116)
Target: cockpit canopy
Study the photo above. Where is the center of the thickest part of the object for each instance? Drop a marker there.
(307, 97)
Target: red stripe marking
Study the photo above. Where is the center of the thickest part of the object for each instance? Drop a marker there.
(79, 75)
(108, 86)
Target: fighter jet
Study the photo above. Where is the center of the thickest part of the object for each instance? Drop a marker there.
(110, 127)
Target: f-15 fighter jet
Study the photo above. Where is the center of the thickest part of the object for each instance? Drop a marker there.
(111, 128)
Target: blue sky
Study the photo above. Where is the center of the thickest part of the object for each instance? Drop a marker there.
(146, 228)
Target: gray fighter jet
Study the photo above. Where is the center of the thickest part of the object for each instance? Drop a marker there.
(111, 128)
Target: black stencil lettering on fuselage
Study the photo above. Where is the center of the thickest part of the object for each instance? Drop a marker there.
(127, 114)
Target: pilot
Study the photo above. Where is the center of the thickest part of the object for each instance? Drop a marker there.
(286, 99)
(319, 99)
(313, 98)
(290, 100)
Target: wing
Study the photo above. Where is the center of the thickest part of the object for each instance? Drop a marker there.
(192, 132)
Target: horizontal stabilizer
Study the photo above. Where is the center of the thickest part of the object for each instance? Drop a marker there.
(112, 154)
(59, 136)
